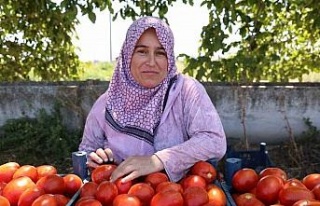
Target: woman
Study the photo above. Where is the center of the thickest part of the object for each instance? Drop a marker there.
(152, 117)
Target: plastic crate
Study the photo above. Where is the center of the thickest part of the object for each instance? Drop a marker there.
(222, 184)
(235, 160)
(79, 164)
(256, 159)
(73, 199)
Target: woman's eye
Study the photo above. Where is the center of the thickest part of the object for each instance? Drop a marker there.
(141, 52)
(161, 53)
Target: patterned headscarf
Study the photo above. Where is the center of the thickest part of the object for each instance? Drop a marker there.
(129, 105)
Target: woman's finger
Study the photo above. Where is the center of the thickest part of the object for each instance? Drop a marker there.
(109, 154)
(122, 170)
(93, 156)
(91, 164)
(131, 176)
(105, 155)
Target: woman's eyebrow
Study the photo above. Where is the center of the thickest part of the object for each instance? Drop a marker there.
(140, 46)
(144, 46)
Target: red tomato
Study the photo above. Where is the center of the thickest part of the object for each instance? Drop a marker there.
(293, 182)
(205, 170)
(194, 181)
(315, 191)
(7, 170)
(209, 204)
(44, 170)
(4, 201)
(62, 199)
(27, 170)
(46, 200)
(88, 202)
(217, 196)
(307, 203)
(123, 188)
(167, 198)
(88, 189)
(29, 196)
(85, 198)
(195, 196)
(210, 185)
(13, 190)
(126, 200)
(268, 188)
(274, 171)
(244, 180)
(102, 173)
(253, 191)
(165, 186)
(52, 184)
(156, 178)
(72, 183)
(143, 191)
(235, 195)
(248, 199)
(311, 180)
(2, 185)
(291, 195)
(106, 192)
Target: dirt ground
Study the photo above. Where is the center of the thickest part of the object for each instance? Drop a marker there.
(297, 161)
(297, 158)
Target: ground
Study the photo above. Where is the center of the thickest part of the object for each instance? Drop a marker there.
(297, 158)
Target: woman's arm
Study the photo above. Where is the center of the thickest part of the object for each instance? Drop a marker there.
(205, 137)
(93, 135)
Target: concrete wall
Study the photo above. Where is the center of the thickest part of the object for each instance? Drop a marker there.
(261, 112)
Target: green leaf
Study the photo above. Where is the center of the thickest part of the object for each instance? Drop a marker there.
(92, 17)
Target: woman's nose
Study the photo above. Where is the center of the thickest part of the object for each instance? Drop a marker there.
(152, 60)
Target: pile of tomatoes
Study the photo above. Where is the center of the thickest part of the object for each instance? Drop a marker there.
(196, 189)
(28, 185)
(272, 186)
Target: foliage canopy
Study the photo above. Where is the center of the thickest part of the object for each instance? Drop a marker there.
(275, 40)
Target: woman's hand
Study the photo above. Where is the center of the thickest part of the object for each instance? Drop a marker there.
(137, 166)
(99, 157)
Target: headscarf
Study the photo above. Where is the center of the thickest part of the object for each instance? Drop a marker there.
(130, 107)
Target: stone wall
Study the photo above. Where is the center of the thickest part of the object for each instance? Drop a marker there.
(261, 112)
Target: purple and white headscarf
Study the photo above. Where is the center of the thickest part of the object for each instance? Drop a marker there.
(129, 105)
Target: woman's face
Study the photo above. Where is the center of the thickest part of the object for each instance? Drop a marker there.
(149, 63)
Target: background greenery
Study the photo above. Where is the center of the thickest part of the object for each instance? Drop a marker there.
(277, 40)
(96, 70)
(103, 71)
(40, 140)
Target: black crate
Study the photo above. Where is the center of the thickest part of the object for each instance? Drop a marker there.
(222, 184)
(74, 199)
(235, 160)
(255, 159)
